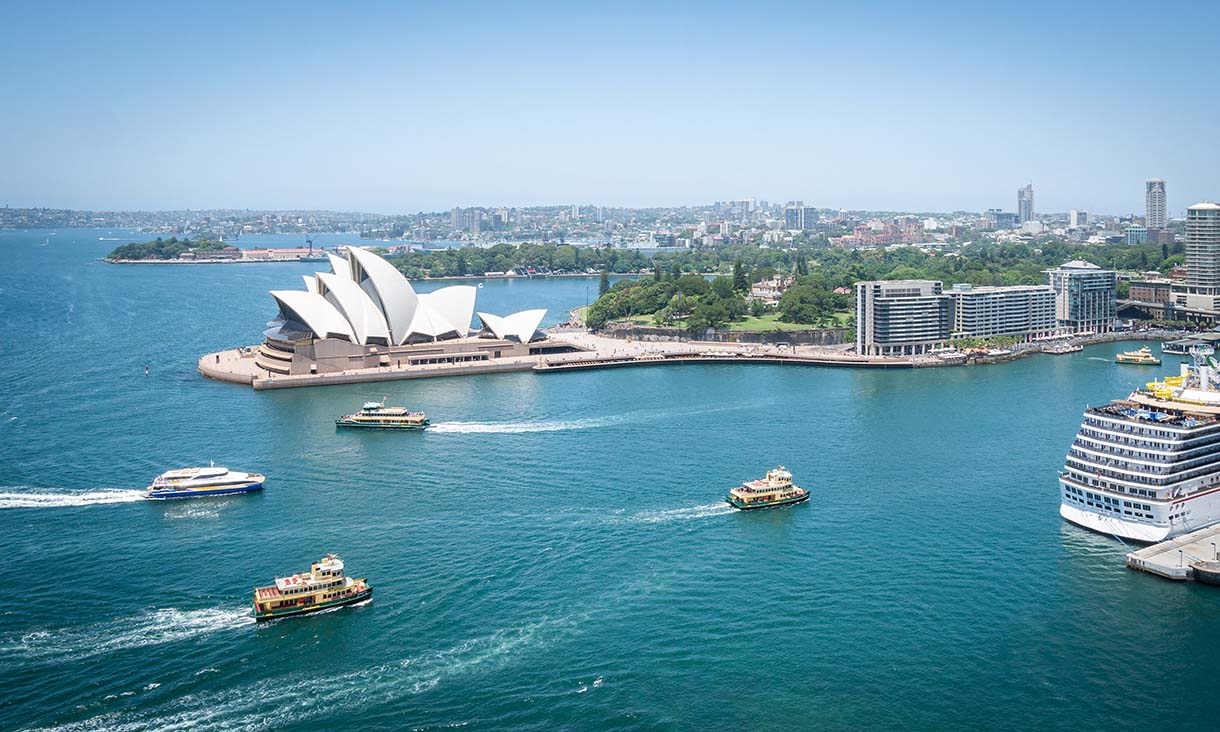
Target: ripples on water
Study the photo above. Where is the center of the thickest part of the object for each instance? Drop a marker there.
(555, 553)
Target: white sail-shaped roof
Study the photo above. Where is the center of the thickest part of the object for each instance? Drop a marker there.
(366, 300)
(339, 266)
(520, 326)
(454, 305)
(354, 303)
(315, 312)
(387, 287)
(447, 310)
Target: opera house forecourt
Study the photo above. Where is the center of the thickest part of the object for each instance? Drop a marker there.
(362, 321)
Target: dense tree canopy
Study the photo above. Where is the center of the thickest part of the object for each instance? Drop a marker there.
(171, 248)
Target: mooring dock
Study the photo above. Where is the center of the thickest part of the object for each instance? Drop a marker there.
(1174, 558)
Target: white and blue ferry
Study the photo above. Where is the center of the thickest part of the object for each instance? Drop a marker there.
(197, 482)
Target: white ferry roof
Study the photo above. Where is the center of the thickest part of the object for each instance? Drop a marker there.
(210, 472)
(372, 405)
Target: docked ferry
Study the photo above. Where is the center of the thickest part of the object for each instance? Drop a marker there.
(1147, 467)
(324, 586)
(774, 490)
(198, 482)
(376, 415)
(1140, 357)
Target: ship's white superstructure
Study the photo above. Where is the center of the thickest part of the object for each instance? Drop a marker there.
(1147, 467)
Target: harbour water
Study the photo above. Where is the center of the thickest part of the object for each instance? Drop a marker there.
(555, 553)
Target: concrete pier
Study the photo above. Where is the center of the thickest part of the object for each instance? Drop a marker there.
(1173, 558)
(589, 351)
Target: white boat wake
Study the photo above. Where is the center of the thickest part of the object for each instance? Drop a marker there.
(514, 428)
(152, 628)
(35, 498)
(682, 514)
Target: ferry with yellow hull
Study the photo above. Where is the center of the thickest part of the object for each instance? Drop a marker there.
(1141, 357)
(376, 415)
(774, 490)
(324, 586)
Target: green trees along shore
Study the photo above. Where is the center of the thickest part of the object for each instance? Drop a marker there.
(171, 248)
(695, 302)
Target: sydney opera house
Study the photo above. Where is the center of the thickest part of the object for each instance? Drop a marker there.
(364, 314)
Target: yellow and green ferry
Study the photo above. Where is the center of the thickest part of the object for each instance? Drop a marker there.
(376, 415)
(774, 490)
(324, 586)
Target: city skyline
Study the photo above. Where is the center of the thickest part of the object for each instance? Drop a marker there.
(935, 109)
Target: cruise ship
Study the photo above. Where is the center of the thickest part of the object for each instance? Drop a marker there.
(1147, 468)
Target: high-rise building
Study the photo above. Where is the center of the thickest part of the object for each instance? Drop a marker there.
(1085, 296)
(794, 216)
(1199, 298)
(1023, 311)
(1078, 219)
(1203, 245)
(1154, 199)
(1025, 204)
(901, 317)
(809, 218)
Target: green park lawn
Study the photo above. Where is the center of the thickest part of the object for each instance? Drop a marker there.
(768, 322)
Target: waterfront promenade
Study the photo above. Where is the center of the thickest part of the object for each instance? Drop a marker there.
(239, 366)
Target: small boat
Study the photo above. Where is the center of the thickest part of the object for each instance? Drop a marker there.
(376, 415)
(324, 586)
(1062, 348)
(774, 490)
(1141, 357)
(199, 482)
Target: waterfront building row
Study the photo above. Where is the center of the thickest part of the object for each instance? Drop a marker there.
(912, 317)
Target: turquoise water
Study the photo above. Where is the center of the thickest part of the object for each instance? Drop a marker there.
(555, 554)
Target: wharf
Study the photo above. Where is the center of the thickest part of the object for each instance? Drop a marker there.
(1173, 558)
(706, 357)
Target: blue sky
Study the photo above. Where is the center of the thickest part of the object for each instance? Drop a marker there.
(398, 107)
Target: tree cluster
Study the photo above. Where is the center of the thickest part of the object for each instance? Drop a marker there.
(700, 302)
(171, 248)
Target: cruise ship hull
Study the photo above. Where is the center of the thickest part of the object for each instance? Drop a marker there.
(1108, 525)
(172, 493)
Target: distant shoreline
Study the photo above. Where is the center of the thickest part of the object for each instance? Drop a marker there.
(310, 261)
